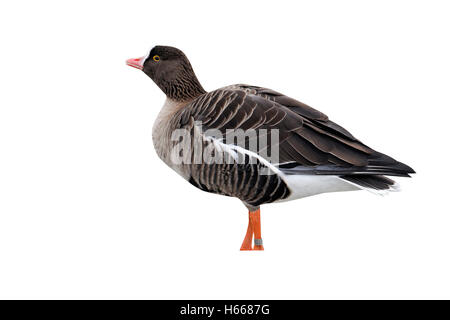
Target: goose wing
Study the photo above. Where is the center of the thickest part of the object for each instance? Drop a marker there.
(308, 142)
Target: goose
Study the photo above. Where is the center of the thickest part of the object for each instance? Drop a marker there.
(299, 151)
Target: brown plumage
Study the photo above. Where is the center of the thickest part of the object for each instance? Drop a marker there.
(316, 155)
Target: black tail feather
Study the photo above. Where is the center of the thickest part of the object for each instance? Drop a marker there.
(370, 181)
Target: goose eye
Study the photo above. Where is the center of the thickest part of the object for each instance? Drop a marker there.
(156, 58)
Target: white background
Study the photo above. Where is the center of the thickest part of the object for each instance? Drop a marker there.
(87, 209)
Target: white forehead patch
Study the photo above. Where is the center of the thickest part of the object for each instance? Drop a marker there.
(146, 56)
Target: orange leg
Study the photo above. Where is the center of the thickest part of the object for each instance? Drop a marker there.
(256, 226)
(247, 243)
(254, 229)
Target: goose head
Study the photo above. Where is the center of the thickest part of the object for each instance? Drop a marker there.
(172, 72)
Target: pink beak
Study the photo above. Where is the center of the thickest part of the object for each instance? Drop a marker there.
(137, 63)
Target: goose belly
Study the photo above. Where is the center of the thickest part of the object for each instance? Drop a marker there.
(244, 182)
